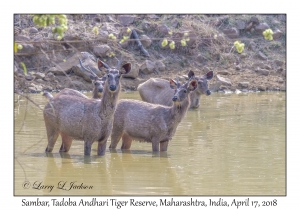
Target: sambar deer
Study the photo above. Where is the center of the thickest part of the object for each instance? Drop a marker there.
(153, 123)
(156, 90)
(83, 118)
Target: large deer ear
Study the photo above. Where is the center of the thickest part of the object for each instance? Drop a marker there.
(193, 85)
(102, 64)
(127, 68)
(191, 74)
(173, 84)
(209, 75)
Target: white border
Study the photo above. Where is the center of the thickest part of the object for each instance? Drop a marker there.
(154, 6)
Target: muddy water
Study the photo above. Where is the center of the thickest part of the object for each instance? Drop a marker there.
(232, 145)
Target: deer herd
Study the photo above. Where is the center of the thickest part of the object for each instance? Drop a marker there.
(73, 115)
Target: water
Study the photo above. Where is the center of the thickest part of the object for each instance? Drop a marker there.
(232, 145)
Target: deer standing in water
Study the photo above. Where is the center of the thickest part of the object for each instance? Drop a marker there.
(153, 123)
(82, 118)
(156, 90)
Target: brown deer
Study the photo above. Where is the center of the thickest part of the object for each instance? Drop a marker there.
(82, 118)
(154, 123)
(156, 90)
(98, 84)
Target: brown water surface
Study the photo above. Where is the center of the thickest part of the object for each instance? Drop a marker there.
(234, 144)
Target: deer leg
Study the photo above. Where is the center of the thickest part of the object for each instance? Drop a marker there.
(155, 146)
(164, 146)
(66, 142)
(115, 138)
(102, 147)
(52, 135)
(126, 141)
(87, 147)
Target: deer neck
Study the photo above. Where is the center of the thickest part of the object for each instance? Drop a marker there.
(96, 94)
(178, 111)
(109, 101)
(195, 98)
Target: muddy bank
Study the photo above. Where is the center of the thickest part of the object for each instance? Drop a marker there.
(209, 45)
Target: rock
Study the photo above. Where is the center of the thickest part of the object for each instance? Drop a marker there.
(193, 37)
(263, 72)
(279, 69)
(39, 80)
(243, 55)
(39, 75)
(28, 49)
(278, 63)
(77, 85)
(35, 88)
(261, 28)
(261, 56)
(175, 23)
(201, 59)
(72, 37)
(254, 20)
(277, 34)
(261, 88)
(152, 16)
(266, 66)
(283, 73)
(224, 81)
(252, 46)
(38, 37)
(147, 67)
(186, 77)
(50, 75)
(261, 65)
(217, 22)
(103, 33)
(33, 30)
(243, 84)
(232, 33)
(206, 69)
(134, 72)
(146, 26)
(96, 20)
(240, 24)
(22, 38)
(64, 68)
(145, 40)
(237, 67)
(29, 77)
(124, 33)
(249, 27)
(280, 80)
(101, 50)
(160, 66)
(223, 72)
(163, 30)
(283, 88)
(126, 19)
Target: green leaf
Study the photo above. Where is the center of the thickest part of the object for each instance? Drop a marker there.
(24, 67)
